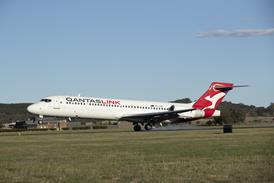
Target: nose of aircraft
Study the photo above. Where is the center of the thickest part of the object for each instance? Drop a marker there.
(32, 108)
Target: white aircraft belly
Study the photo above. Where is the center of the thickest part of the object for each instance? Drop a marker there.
(97, 113)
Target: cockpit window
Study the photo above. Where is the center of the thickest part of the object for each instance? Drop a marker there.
(46, 100)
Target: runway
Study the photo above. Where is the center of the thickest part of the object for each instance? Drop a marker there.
(187, 127)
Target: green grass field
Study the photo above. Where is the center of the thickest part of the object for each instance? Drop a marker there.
(247, 155)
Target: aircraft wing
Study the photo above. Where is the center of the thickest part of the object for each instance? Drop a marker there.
(155, 115)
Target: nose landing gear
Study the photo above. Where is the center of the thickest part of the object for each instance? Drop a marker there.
(40, 121)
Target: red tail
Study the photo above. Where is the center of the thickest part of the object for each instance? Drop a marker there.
(212, 98)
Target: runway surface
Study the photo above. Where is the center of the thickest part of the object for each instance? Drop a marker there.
(187, 127)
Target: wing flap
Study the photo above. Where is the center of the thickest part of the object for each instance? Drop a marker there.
(154, 115)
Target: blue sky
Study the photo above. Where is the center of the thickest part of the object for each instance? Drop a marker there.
(143, 49)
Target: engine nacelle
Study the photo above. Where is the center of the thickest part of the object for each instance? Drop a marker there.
(198, 114)
(193, 114)
(216, 113)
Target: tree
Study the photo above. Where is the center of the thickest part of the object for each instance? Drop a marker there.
(184, 100)
(231, 116)
(270, 109)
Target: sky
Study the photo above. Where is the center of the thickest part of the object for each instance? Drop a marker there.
(158, 50)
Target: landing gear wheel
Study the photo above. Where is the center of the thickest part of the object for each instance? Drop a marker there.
(137, 128)
(148, 126)
(40, 121)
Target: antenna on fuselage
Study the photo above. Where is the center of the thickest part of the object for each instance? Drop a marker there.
(79, 95)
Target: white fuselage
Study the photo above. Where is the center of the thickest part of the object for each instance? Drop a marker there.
(108, 109)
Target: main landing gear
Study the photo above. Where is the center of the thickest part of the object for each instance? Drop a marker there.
(137, 127)
(148, 126)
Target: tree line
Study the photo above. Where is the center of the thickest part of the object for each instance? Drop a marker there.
(13, 112)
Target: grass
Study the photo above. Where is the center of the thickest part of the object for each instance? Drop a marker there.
(247, 155)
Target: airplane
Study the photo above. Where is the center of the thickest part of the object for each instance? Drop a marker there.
(145, 113)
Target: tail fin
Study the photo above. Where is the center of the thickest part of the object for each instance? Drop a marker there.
(212, 98)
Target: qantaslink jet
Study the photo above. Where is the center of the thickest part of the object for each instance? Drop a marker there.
(145, 113)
